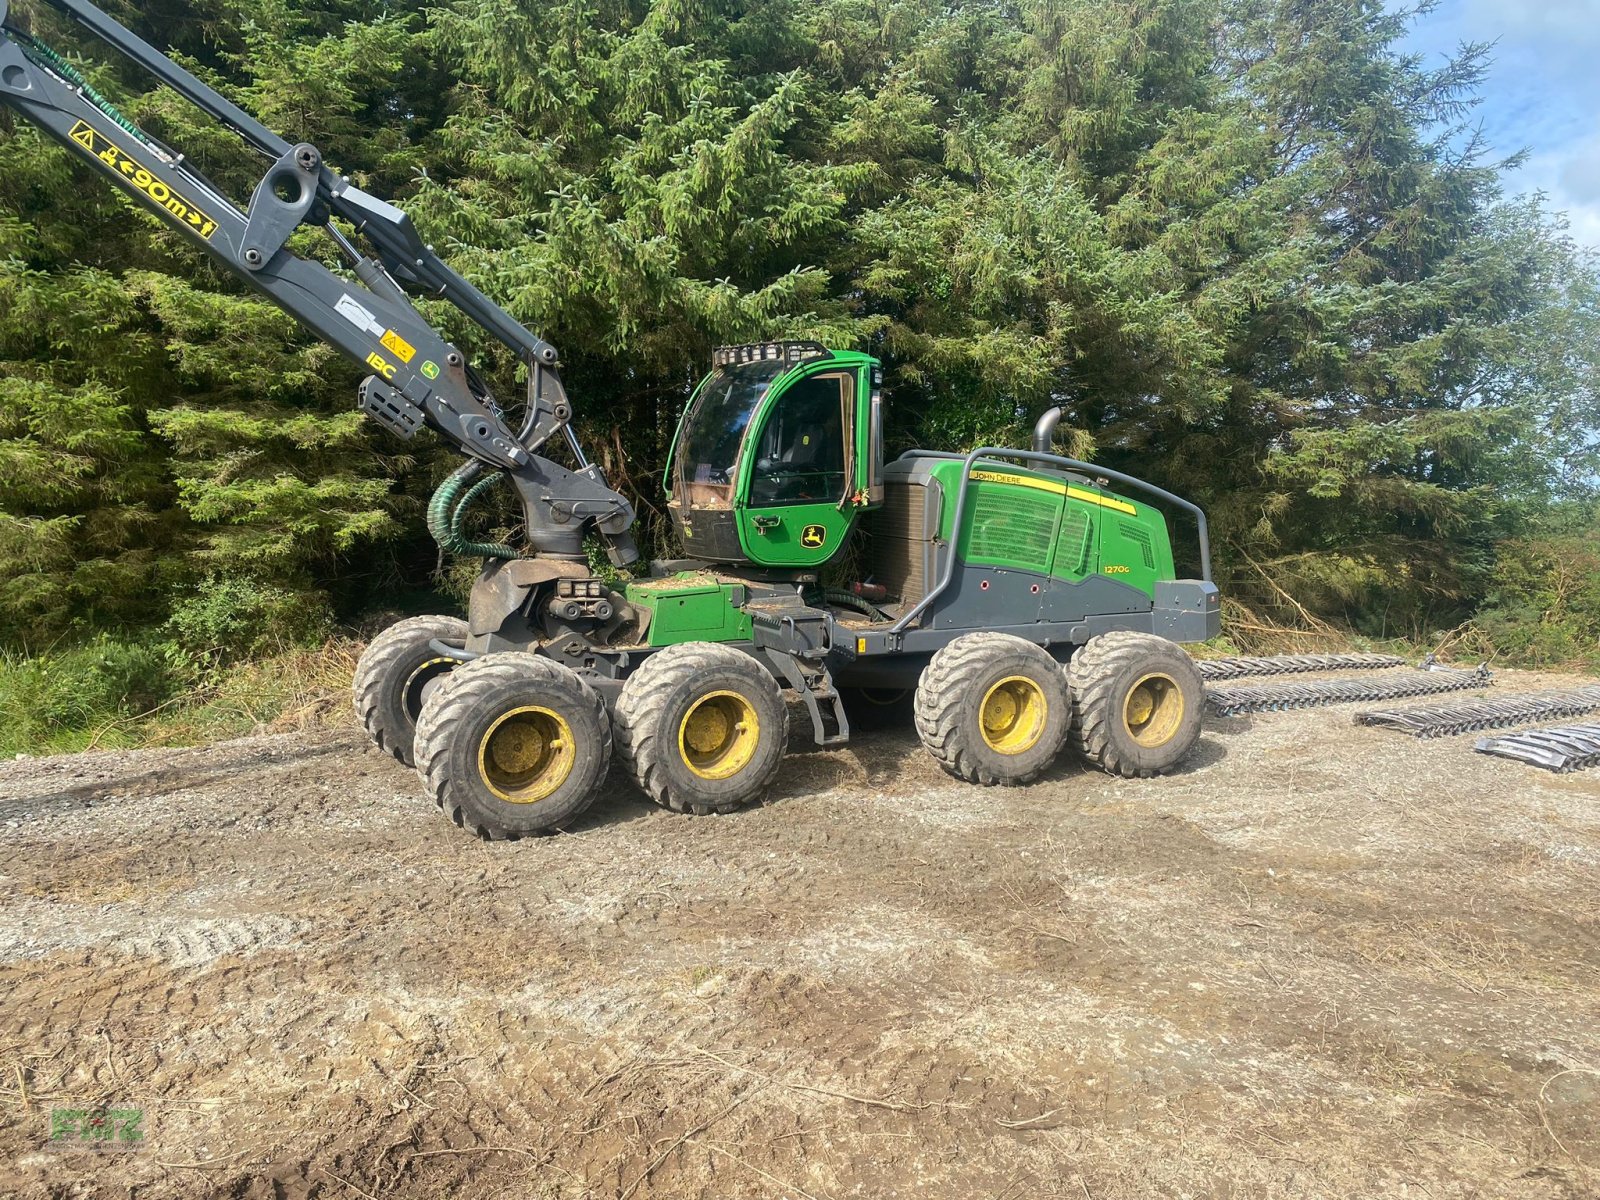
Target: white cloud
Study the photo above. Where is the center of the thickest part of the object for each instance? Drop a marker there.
(1585, 224)
(1580, 169)
(1563, 25)
(1541, 95)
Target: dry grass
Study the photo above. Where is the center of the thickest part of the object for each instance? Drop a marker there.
(293, 691)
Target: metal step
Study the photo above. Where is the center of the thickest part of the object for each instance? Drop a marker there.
(1558, 748)
(811, 680)
(1280, 697)
(1294, 664)
(1445, 720)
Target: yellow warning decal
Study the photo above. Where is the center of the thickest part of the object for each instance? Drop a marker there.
(115, 158)
(398, 346)
(1058, 489)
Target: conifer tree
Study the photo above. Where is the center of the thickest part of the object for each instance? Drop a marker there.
(1252, 248)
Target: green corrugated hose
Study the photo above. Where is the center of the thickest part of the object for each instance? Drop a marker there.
(448, 509)
(72, 75)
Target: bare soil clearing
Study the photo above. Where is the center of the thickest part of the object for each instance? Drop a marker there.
(1323, 961)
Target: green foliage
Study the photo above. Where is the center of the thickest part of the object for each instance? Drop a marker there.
(1254, 250)
(111, 693)
(227, 619)
(1543, 602)
(59, 700)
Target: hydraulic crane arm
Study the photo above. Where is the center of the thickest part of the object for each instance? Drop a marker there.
(418, 378)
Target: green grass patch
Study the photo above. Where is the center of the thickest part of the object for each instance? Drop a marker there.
(113, 694)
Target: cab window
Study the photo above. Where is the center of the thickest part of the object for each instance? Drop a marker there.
(714, 429)
(800, 455)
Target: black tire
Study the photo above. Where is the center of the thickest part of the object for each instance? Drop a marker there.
(513, 744)
(395, 675)
(871, 708)
(993, 709)
(725, 691)
(1137, 703)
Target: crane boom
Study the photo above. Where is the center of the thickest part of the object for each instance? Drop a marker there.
(417, 376)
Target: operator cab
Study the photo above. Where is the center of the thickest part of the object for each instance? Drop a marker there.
(779, 448)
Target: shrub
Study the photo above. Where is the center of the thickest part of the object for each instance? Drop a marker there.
(228, 619)
(1543, 607)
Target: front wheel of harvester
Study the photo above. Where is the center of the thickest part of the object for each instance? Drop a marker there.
(396, 673)
(993, 708)
(701, 727)
(1137, 701)
(513, 744)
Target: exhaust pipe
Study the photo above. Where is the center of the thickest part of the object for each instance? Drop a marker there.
(1044, 432)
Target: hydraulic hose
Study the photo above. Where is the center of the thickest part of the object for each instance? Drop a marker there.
(851, 600)
(448, 508)
(73, 76)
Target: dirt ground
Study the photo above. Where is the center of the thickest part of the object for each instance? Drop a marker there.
(1322, 961)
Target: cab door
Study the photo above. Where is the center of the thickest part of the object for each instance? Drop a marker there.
(798, 478)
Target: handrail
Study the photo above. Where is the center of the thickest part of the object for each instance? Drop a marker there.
(1070, 464)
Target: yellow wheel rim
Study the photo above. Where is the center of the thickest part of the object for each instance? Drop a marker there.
(719, 734)
(527, 754)
(1013, 714)
(1153, 710)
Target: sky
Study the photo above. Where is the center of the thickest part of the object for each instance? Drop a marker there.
(1542, 94)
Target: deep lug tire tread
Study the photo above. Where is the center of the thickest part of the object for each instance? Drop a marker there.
(1097, 670)
(641, 708)
(453, 705)
(384, 655)
(943, 705)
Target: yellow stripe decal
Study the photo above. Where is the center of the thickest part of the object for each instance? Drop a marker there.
(114, 158)
(1058, 489)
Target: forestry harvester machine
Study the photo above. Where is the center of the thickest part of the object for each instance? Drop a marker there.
(1010, 597)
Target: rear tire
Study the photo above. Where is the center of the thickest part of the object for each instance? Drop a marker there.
(395, 675)
(513, 744)
(993, 709)
(701, 727)
(1137, 702)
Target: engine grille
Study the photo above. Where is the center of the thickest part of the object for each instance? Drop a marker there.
(899, 553)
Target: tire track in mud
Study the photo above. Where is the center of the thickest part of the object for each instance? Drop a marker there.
(43, 797)
(875, 982)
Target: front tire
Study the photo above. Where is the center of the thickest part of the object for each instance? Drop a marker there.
(993, 709)
(701, 727)
(1137, 701)
(513, 744)
(395, 675)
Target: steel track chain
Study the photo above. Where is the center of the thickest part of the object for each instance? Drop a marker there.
(1446, 720)
(1281, 697)
(1558, 748)
(1217, 669)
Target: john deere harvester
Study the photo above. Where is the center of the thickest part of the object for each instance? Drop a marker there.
(983, 582)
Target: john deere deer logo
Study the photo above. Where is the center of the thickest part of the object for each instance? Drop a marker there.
(813, 537)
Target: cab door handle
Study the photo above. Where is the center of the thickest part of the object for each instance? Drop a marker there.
(763, 524)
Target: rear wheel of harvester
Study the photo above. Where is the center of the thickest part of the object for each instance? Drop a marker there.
(993, 708)
(513, 744)
(396, 674)
(1137, 701)
(701, 727)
